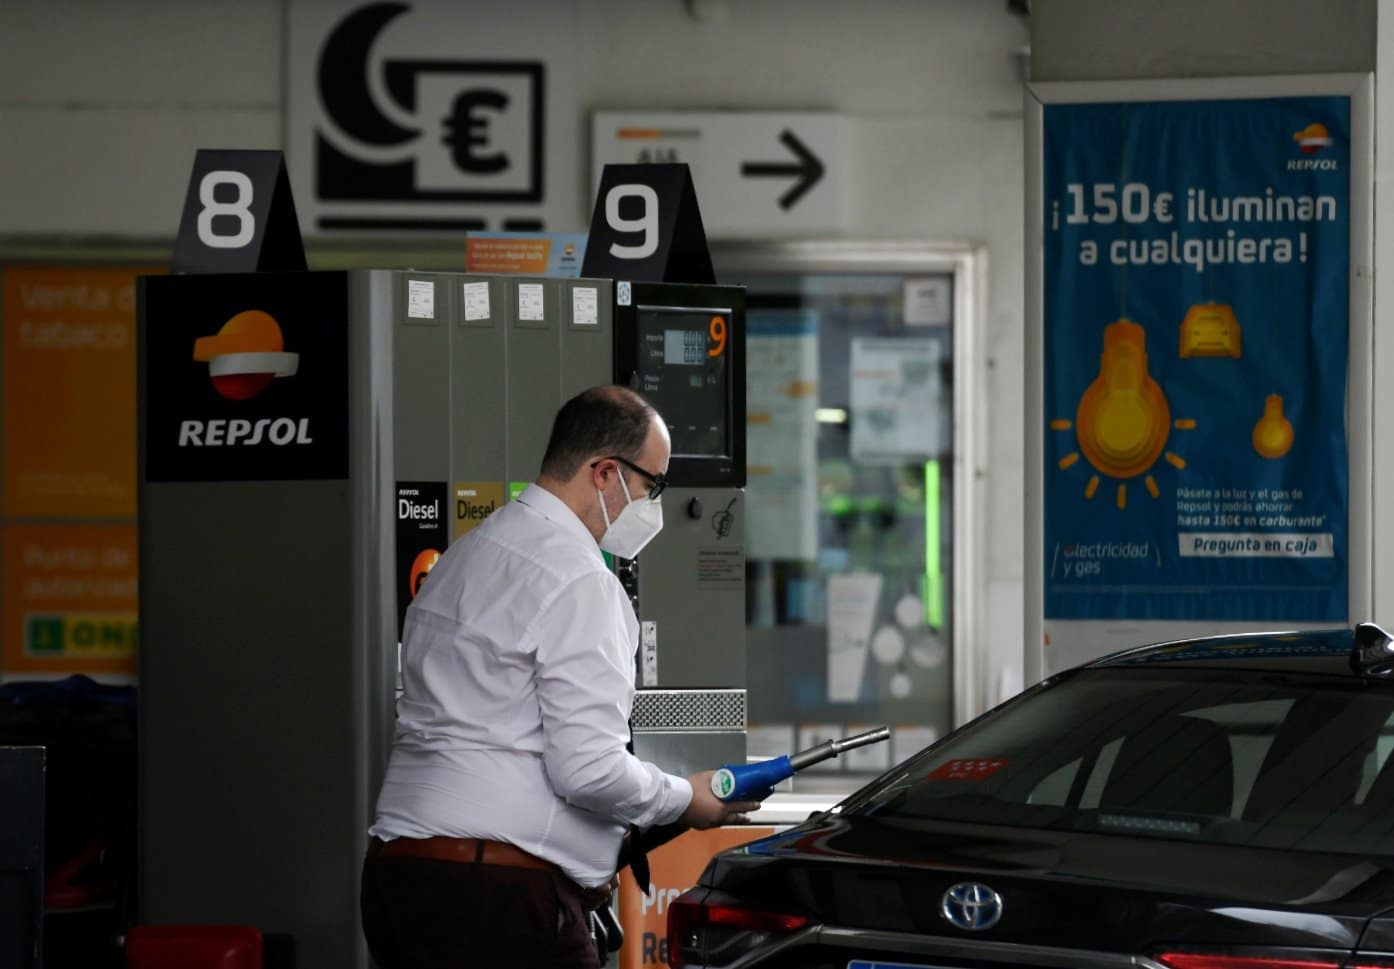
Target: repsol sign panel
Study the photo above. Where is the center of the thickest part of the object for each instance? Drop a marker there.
(244, 377)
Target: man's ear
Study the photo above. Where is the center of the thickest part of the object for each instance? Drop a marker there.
(600, 470)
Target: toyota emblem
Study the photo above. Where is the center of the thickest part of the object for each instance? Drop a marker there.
(971, 906)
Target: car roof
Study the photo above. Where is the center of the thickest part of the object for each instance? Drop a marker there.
(1322, 651)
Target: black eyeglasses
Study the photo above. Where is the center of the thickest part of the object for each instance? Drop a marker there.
(659, 481)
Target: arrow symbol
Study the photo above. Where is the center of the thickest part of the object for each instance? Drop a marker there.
(808, 168)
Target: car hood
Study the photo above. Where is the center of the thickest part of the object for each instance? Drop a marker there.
(1059, 888)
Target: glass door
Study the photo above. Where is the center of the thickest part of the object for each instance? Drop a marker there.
(855, 616)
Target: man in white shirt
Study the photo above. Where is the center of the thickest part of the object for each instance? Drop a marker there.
(509, 789)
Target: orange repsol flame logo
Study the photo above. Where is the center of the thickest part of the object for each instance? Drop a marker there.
(245, 355)
(1313, 138)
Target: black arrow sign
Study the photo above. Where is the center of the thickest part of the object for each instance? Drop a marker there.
(809, 169)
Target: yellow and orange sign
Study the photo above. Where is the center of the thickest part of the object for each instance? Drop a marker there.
(68, 599)
(69, 392)
(492, 255)
(673, 869)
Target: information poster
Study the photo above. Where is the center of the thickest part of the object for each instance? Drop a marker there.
(68, 485)
(782, 434)
(852, 600)
(558, 254)
(1196, 329)
(898, 411)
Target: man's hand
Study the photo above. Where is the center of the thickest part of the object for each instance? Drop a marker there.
(709, 811)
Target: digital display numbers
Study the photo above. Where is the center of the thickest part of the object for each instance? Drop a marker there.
(683, 370)
(684, 347)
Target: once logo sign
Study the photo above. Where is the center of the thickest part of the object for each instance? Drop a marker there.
(245, 355)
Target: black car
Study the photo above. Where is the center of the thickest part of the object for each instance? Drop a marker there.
(1221, 803)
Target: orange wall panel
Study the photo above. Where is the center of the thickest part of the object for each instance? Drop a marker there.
(69, 392)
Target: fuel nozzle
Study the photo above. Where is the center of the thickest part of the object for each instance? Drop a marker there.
(737, 782)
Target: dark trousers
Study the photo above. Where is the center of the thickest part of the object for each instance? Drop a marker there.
(421, 913)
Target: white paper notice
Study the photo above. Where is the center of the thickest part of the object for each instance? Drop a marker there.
(531, 302)
(898, 410)
(852, 599)
(421, 299)
(476, 302)
(927, 301)
(585, 306)
(648, 645)
(782, 435)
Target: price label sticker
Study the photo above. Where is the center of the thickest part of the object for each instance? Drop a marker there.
(967, 769)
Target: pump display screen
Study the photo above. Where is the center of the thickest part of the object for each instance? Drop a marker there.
(684, 370)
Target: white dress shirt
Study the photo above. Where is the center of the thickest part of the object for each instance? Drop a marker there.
(518, 679)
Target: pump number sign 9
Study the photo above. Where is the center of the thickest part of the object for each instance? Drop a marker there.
(646, 226)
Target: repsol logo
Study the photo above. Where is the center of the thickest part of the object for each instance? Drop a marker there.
(1312, 165)
(225, 433)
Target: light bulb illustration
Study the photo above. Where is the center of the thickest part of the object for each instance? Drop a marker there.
(1123, 419)
(1273, 432)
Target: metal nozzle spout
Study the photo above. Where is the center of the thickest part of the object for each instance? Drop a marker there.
(831, 748)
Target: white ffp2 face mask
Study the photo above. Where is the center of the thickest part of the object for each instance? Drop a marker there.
(635, 526)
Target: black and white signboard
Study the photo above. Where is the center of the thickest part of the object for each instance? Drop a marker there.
(431, 116)
(647, 226)
(239, 216)
(245, 377)
(758, 173)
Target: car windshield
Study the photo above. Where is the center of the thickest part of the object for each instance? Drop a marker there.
(1246, 758)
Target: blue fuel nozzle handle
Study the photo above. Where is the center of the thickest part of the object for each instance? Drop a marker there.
(741, 782)
(755, 782)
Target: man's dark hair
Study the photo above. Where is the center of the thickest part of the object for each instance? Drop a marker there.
(602, 420)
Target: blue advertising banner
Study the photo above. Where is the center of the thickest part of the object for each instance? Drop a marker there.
(1196, 274)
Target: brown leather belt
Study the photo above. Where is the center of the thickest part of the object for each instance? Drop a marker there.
(467, 850)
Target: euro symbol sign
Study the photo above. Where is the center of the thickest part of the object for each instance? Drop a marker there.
(466, 129)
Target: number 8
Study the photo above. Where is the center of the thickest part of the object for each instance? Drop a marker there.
(646, 223)
(241, 208)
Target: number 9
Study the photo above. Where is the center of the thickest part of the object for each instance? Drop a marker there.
(717, 331)
(646, 223)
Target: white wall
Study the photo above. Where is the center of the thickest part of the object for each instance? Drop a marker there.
(1090, 40)
(1383, 574)
(102, 106)
(103, 103)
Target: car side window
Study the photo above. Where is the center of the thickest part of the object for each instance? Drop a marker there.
(1377, 760)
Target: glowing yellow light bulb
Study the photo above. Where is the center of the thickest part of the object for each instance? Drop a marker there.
(1273, 432)
(1123, 418)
